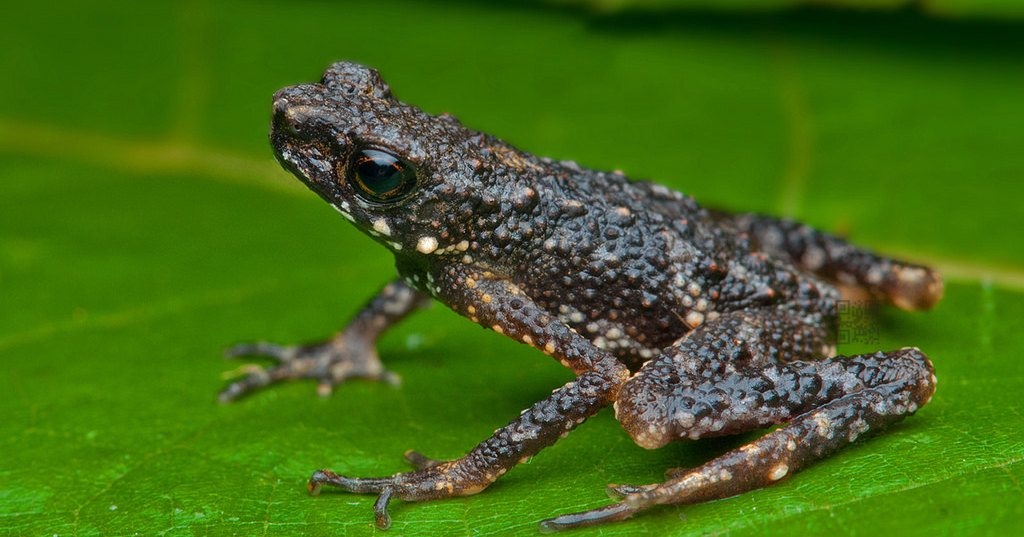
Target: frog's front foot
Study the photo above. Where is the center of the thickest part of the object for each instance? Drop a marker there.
(439, 480)
(330, 363)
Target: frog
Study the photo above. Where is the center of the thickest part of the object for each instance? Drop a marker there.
(690, 322)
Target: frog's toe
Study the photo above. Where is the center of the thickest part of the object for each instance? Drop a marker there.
(621, 491)
(281, 353)
(673, 473)
(420, 460)
(351, 484)
(602, 515)
(257, 377)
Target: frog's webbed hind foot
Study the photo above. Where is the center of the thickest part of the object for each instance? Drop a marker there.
(330, 363)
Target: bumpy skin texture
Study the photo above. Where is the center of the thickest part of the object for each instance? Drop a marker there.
(693, 323)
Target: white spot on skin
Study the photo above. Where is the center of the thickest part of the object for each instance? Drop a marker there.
(856, 428)
(791, 445)
(911, 275)
(824, 424)
(344, 213)
(814, 258)
(519, 436)
(874, 276)
(846, 278)
(694, 319)
(772, 238)
(779, 472)
(684, 419)
(426, 244)
(380, 226)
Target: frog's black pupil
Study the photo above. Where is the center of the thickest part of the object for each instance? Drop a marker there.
(381, 176)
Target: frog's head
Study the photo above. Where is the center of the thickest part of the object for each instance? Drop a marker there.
(413, 181)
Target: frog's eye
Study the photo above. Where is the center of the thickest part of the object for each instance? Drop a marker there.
(379, 176)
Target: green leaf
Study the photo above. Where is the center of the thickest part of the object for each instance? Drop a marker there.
(144, 227)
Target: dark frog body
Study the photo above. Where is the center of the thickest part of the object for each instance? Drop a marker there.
(692, 323)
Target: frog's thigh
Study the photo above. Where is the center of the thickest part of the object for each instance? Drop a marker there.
(722, 378)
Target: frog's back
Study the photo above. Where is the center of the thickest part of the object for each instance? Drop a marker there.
(635, 265)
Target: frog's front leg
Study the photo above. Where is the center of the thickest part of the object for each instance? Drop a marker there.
(503, 307)
(749, 370)
(351, 353)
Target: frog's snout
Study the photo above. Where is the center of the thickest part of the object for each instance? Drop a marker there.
(290, 119)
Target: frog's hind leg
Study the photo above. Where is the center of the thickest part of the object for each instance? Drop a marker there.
(729, 377)
(908, 286)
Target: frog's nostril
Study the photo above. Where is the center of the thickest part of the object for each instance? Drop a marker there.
(289, 119)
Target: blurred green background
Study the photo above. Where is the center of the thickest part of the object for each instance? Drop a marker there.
(144, 227)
